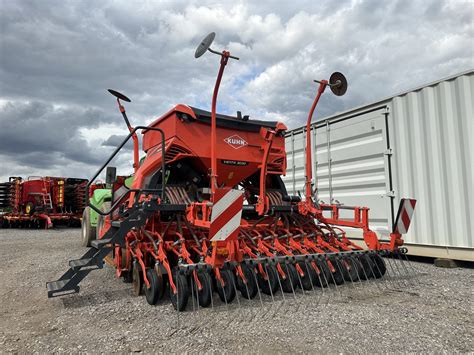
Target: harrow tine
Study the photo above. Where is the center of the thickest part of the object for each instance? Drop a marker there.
(394, 277)
(326, 279)
(406, 269)
(403, 258)
(369, 262)
(236, 293)
(291, 283)
(320, 280)
(177, 297)
(271, 289)
(332, 276)
(197, 291)
(281, 287)
(367, 278)
(354, 261)
(225, 298)
(411, 265)
(254, 274)
(269, 284)
(338, 265)
(347, 260)
(382, 277)
(192, 290)
(401, 278)
(212, 291)
(300, 282)
(310, 279)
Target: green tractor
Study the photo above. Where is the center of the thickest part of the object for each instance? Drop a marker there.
(101, 198)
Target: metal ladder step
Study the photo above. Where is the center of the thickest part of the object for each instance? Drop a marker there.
(97, 243)
(77, 264)
(57, 288)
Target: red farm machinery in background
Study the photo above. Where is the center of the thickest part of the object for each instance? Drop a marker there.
(208, 212)
(42, 201)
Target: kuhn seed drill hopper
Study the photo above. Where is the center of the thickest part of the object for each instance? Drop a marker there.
(206, 217)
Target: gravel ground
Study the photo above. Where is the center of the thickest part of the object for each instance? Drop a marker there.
(432, 312)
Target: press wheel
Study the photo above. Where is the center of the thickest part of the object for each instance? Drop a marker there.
(250, 289)
(180, 298)
(156, 289)
(226, 292)
(137, 280)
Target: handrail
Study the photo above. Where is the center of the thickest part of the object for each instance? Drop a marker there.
(115, 205)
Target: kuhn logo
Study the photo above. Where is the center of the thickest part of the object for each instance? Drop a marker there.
(236, 142)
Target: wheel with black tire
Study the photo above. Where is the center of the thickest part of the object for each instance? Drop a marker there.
(179, 299)
(248, 289)
(30, 208)
(290, 281)
(379, 265)
(137, 279)
(204, 294)
(268, 283)
(156, 289)
(101, 219)
(88, 232)
(226, 292)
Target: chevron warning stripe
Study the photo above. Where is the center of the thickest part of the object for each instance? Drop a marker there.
(226, 214)
(405, 213)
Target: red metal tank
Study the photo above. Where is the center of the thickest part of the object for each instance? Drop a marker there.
(240, 144)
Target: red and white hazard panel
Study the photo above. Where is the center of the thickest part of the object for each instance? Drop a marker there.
(405, 213)
(226, 214)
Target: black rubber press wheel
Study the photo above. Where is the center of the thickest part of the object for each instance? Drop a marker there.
(156, 289)
(226, 292)
(290, 282)
(204, 295)
(249, 289)
(307, 280)
(179, 299)
(269, 284)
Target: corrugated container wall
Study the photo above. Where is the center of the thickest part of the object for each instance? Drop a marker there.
(416, 144)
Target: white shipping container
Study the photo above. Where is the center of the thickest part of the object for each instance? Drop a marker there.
(416, 144)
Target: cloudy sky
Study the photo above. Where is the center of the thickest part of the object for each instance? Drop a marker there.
(57, 58)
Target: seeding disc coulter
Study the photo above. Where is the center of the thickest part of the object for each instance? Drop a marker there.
(208, 212)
